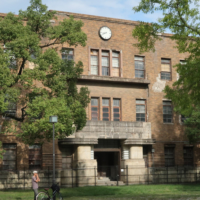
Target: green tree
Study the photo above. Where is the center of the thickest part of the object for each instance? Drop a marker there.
(182, 18)
(192, 126)
(50, 87)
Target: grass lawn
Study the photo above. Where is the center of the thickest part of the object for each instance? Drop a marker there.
(141, 192)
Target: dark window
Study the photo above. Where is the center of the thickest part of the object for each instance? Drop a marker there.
(35, 156)
(67, 54)
(188, 156)
(115, 63)
(94, 62)
(106, 109)
(165, 69)
(95, 109)
(140, 110)
(105, 62)
(183, 118)
(167, 111)
(169, 156)
(9, 156)
(139, 67)
(116, 110)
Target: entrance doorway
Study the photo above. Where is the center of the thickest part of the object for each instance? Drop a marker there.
(108, 164)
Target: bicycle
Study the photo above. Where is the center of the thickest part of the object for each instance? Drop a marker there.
(46, 196)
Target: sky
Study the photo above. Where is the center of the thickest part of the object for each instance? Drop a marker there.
(121, 9)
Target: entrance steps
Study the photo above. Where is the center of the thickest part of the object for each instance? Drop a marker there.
(106, 181)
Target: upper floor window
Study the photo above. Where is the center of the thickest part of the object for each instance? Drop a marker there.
(106, 109)
(95, 109)
(115, 63)
(167, 111)
(11, 110)
(165, 69)
(105, 62)
(139, 67)
(67, 54)
(9, 156)
(116, 110)
(94, 62)
(140, 110)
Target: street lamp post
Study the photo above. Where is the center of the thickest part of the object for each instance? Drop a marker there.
(53, 119)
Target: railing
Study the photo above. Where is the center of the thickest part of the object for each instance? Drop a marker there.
(75, 177)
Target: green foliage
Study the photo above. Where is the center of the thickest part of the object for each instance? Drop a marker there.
(48, 89)
(182, 18)
(192, 124)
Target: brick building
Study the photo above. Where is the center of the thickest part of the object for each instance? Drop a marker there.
(130, 122)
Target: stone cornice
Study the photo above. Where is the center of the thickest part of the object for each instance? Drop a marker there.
(114, 79)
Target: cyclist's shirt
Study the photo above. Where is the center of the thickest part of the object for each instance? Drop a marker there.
(34, 183)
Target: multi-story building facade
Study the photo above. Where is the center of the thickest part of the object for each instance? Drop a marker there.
(130, 122)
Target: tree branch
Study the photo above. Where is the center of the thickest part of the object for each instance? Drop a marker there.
(22, 66)
(47, 45)
(184, 22)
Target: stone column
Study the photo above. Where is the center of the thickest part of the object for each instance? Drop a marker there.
(84, 167)
(134, 167)
(136, 156)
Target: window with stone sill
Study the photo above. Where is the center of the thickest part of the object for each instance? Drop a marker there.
(165, 69)
(94, 109)
(139, 67)
(106, 109)
(67, 54)
(140, 110)
(116, 110)
(110, 62)
(167, 112)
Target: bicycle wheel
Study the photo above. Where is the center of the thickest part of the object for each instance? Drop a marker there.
(42, 196)
(59, 196)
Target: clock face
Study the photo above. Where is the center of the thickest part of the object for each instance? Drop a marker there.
(105, 33)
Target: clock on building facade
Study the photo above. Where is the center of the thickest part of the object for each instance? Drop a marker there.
(105, 33)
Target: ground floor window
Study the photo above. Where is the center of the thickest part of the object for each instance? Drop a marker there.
(188, 156)
(169, 156)
(35, 156)
(9, 156)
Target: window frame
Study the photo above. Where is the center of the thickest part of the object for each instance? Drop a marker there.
(98, 61)
(14, 149)
(109, 62)
(138, 69)
(168, 114)
(170, 63)
(69, 49)
(145, 104)
(10, 111)
(98, 110)
(110, 51)
(186, 157)
(173, 155)
(40, 151)
(120, 116)
(109, 109)
(119, 59)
